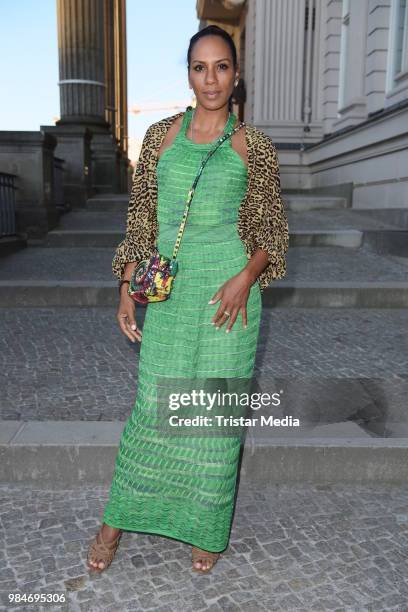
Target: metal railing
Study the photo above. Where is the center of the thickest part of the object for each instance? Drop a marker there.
(7, 204)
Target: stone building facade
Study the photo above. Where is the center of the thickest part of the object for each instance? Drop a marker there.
(328, 81)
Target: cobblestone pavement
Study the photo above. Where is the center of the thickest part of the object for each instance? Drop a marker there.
(309, 548)
(317, 264)
(75, 364)
(326, 264)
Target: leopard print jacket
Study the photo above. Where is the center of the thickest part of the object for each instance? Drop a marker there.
(261, 223)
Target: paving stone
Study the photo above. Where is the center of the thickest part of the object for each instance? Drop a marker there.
(293, 547)
(333, 580)
(358, 355)
(305, 263)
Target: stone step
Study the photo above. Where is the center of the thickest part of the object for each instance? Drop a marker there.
(83, 238)
(310, 202)
(341, 238)
(381, 241)
(11, 244)
(320, 264)
(336, 227)
(282, 294)
(295, 202)
(325, 220)
(71, 453)
(329, 276)
(108, 203)
(348, 219)
(111, 238)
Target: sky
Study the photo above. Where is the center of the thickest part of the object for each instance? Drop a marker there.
(158, 33)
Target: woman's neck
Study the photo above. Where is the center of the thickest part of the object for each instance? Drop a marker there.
(208, 122)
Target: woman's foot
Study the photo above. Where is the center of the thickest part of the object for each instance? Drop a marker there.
(203, 560)
(103, 547)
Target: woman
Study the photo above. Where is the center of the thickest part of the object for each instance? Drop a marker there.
(233, 245)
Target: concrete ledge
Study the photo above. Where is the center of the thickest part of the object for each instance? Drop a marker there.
(307, 294)
(348, 238)
(11, 244)
(394, 242)
(313, 202)
(83, 238)
(58, 293)
(108, 202)
(280, 293)
(384, 242)
(73, 453)
(111, 238)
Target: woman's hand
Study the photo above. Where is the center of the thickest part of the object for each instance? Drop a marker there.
(126, 315)
(234, 296)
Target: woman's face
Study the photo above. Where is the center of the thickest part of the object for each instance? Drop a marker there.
(212, 72)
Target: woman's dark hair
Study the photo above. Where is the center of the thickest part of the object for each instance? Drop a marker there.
(214, 30)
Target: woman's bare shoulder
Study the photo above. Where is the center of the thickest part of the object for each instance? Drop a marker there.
(171, 134)
(239, 144)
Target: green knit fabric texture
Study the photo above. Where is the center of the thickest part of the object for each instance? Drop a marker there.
(164, 482)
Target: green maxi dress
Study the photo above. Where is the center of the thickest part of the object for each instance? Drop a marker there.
(184, 487)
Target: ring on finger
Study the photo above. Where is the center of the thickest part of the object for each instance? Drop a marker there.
(227, 313)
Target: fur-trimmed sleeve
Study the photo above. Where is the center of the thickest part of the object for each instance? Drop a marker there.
(271, 229)
(139, 238)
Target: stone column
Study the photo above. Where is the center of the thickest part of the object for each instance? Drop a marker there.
(283, 38)
(92, 64)
(377, 53)
(352, 103)
(116, 79)
(81, 27)
(330, 51)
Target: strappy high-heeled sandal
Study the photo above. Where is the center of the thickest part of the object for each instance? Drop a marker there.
(102, 552)
(197, 554)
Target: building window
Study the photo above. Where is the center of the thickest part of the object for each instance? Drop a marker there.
(352, 102)
(344, 53)
(398, 44)
(401, 40)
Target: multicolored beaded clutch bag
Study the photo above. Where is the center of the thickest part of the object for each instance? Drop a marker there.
(152, 278)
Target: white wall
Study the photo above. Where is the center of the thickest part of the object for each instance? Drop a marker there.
(344, 96)
(374, 157)
(283, 69)
(376, 54)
